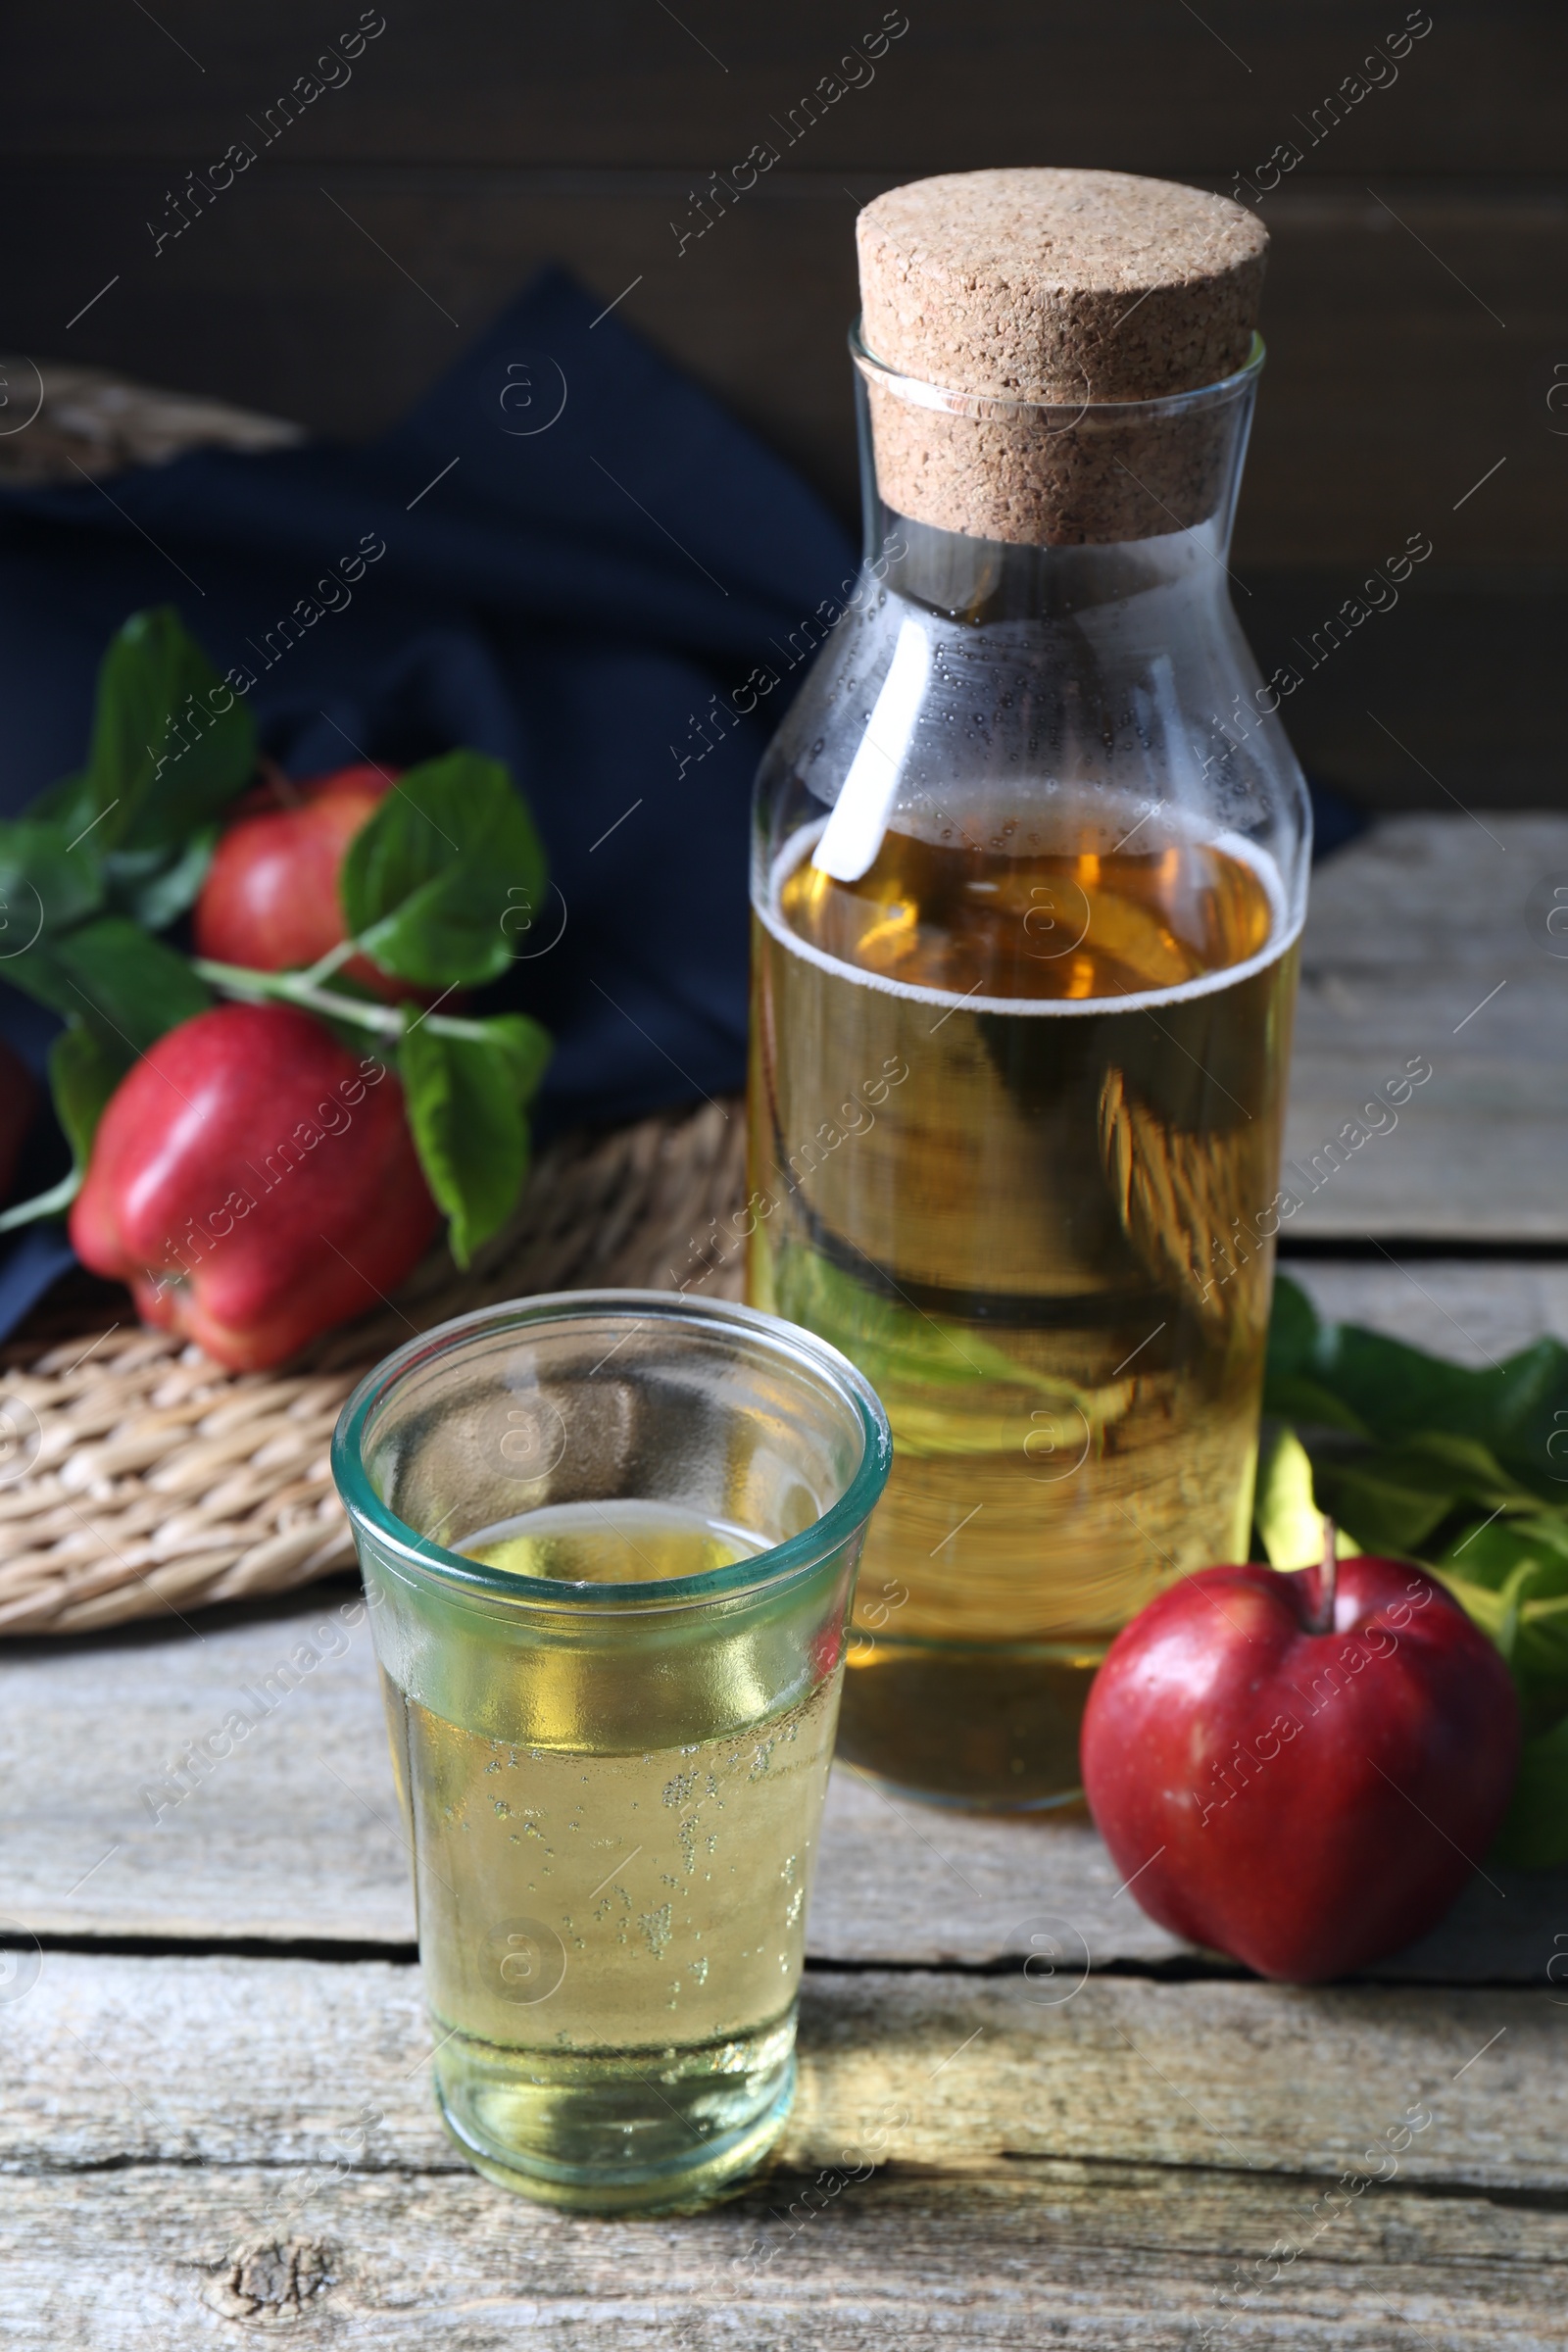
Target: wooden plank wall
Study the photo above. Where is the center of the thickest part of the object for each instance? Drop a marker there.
(1415, 308)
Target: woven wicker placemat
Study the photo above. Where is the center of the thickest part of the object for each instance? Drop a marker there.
(138, 1479)
(63, 420)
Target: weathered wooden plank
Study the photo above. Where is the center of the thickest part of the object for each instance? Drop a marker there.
(294, 1835)
(270, 2061)
(1443, 891)
(1122, 2166)
(899, 1882)
(1426, 945)
(1476, 1311)
(1098, 2258)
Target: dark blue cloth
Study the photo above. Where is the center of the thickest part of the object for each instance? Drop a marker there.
(567, 591)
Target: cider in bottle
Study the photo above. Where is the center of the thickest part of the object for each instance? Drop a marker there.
(1029, 871)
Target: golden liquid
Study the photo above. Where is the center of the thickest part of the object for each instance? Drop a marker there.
(1014, 1218)
(612, 1542)
(611, 1941)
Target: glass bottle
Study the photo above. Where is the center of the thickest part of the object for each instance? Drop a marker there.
(1029, 869)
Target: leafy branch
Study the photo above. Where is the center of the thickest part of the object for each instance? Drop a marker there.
(251, 986)
(431, 886)
(1464, 1472)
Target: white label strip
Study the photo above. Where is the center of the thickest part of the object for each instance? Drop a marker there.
(854, 832)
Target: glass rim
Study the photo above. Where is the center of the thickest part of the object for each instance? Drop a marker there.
(996, 406)
(427, 1559)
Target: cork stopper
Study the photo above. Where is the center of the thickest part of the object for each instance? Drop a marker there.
(1070, 290)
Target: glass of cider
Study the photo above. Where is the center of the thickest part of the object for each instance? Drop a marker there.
(610, 1540)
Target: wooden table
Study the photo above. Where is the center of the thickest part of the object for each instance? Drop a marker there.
(217, 2111)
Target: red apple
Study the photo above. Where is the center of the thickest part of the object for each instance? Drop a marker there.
(255, 1183)
(270, 898)
(1301, 1778)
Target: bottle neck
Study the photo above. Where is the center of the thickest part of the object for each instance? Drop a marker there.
(988, 509)
(982, 581)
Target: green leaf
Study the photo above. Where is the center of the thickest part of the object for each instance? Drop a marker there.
(1288, 1398)
(1539, 1658)
(1288, 1518)
(1384, 1515)
(1292, 1330)
(1491, 1554)
(1465, 1464)
(907, 1345)
(1533, 1637)
(1394, 1498)
(1512, 1577)
(170, 743)
(83, 1073)
(126, 987)
(914, 1360)
(1535, 1833)
(1340, 1375)
(430, 881)
(155, 890)
(1465, 1470)
(1496, 1613)
(44, 887)
(465, 1099)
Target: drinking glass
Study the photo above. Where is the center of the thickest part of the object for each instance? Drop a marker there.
(609, 1543)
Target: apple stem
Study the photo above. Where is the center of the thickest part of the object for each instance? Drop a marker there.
(52, 1204)
(334, 961)
(296, 988)
(1325, 1581)
(282, 787)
